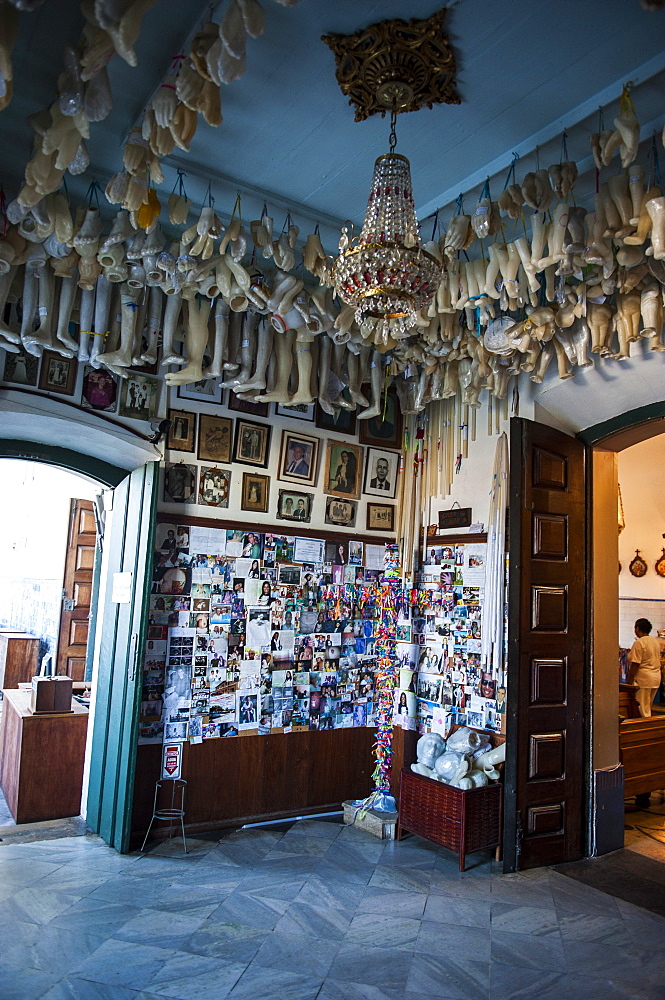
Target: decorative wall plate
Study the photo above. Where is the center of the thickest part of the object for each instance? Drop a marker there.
(660, 565)
(638, 567)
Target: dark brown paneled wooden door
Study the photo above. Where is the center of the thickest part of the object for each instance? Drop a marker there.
(545, 768)
(77, 590)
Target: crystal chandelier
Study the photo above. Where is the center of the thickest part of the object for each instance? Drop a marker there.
(384, 273)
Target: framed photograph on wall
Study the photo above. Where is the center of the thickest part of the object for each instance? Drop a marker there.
(215, 436)
(301, 411)
(381, 473)
(138, 397)
(20, 368)
(294, 506)
(343, 469)
(100, 390)
(380, 517)
(208, 390)
(214, 486)
(251, 443)
(181, 431)
(299, 458)
(341, 513)
(180, 483)
(255, 492)
(241, 405)
(58, 374)
(384, 431)
(342, 422)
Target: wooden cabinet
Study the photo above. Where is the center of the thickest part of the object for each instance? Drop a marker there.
(642, 753)
(41, 759)
(462, 820)
(19, 658)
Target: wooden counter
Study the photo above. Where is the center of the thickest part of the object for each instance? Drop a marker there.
(41, 759)
(642, 753)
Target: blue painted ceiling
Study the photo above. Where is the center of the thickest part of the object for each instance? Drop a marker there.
(526, 70)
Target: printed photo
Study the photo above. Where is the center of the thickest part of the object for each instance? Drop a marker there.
(294, 506)
(138, 397)
(58, 374)
(341, 512)
(251, 444)
(181, 431)
(298, 461)
(100, 389)
(214, 487)
(180, 483)
(343, 469)
(381, 473)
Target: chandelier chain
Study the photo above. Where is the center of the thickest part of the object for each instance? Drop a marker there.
(392, 139)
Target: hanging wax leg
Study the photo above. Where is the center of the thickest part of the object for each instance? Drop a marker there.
(171, 316)
(68, 290)
(283, 343)
(196, 338)
(263, 351)
(376, 370)
(220, 311)
(303, 395)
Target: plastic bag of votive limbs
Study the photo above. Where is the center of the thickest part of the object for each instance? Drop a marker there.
(467, 740)
(377, 801)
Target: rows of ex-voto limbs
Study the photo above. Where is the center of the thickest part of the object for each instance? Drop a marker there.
(583, 284)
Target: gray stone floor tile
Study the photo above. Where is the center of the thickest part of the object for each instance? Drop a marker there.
(305, 919)
(258, 982)
(92, 916)
(332, 990)
(71, 988)
(449, 975)
(35, 906)
(370, 929)
(402, 904)
(18, 983)
(27, 872)
(159, 929)
(316, 828)
(48, 948)
(379, 967)
(326, 893)
(251, 909)
(297, 954)
(451, 909)
(233, 942)
(186, 976)
(534, 920)
(528, 951)
(405, 879)
(453, 939)
(123, 963)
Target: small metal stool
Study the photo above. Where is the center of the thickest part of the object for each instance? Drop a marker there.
(170, 812)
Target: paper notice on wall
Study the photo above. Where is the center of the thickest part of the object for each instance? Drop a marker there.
(374, 555)
(473, 570)
(121, 592)
(211, 541)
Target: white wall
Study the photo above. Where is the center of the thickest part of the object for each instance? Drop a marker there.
(642, 481)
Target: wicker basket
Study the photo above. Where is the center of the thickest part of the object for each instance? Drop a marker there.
(460, 820)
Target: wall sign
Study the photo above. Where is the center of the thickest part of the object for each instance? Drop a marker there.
(456, 517)
(172, 760)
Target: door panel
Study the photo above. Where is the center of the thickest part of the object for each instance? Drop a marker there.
(77, 587)
(127, 549)
(546, 641)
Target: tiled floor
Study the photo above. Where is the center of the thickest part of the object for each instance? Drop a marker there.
(318, 910)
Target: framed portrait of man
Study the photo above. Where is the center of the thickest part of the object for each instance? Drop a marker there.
(381, 473)
(251, 443)
(343, 469)
(298, 460)
(215, 437)
(58, 374)
(205, 391)
(181, 431)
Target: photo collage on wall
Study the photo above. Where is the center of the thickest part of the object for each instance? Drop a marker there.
(441, 681)
(251, 632)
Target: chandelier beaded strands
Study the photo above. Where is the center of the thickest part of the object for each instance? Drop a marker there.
(384, 273)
